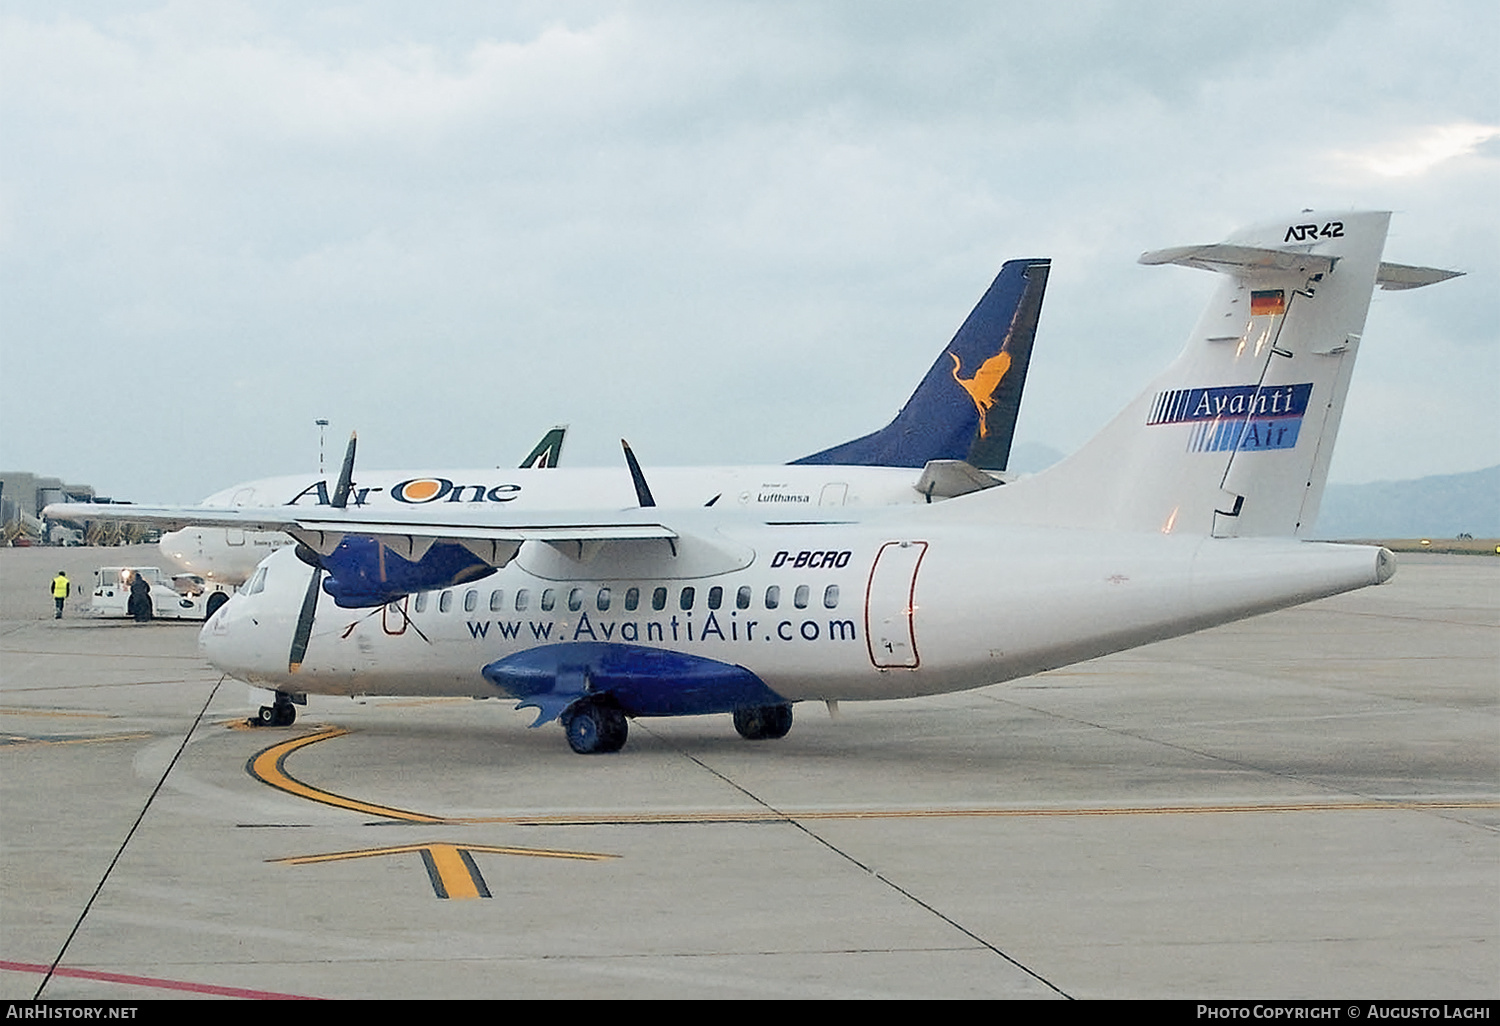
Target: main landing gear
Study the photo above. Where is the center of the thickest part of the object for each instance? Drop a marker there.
(595, 726)
(763, 722)
(282, 714)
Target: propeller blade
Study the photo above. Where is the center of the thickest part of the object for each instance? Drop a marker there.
(346, 475)
(303, 633)
(305, 622)
(642, 492)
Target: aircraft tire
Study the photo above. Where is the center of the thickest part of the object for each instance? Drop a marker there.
(275, 716)
(595, 727)
(763, 722)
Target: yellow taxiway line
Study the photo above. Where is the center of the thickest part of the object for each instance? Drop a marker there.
(450, 867)
(269, 768)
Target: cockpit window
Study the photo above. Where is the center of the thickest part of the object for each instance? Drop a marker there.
(257, 582)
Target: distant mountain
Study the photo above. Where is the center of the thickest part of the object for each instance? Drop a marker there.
(1030, 457)
(1429, 507)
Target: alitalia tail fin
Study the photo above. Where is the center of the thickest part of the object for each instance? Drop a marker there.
(1235, 437)
(966, 406)
(548, 451)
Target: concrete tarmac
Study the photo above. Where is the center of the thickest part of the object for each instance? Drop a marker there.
(1303, 805)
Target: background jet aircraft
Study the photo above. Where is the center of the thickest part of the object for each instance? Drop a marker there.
(1180, 514)
(230, 556)
(945, 421)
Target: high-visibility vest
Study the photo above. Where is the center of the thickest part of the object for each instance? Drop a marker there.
(59, 587)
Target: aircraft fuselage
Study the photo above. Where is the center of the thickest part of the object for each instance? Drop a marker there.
(828, 612)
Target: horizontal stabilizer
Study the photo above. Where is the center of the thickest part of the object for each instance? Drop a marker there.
(1396, 277)
(944, 479)
(1232, 258)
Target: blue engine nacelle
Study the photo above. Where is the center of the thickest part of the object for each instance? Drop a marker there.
(643, 681)
(363, 573)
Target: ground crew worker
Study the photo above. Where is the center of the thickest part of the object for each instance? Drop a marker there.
(60, 588)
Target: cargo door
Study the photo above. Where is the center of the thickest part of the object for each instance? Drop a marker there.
(889, 604)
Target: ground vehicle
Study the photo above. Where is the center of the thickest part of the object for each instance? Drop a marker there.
(182, 597)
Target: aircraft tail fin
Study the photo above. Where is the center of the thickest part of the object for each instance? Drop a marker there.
(965, 408)
(548, 451)
(1235, 437)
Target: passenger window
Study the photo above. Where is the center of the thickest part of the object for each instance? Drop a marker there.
(421, 601)
(686, 599)
(799, 597)
(471, 600)
(659, 598)
(602, 603)
(523, 599)
(742, 597)
(632, 598)
(445, 602)
(549, 599)
(715, 597)
(575, 600)
(497, 600)
(831, 597)
(773, 596)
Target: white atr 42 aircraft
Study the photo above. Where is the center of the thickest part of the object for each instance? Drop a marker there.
(1181, 514)
(962, 416)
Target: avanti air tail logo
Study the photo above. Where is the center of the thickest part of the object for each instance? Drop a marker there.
(984, 384)
(1248, 418)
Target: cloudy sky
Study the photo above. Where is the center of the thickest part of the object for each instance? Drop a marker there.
(730, 232)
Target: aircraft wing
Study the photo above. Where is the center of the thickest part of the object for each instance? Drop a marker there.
(409, 533)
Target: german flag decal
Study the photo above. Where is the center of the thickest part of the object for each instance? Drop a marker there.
(1271, 301)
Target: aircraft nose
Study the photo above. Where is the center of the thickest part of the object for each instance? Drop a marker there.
(239, 639)
(213, 638)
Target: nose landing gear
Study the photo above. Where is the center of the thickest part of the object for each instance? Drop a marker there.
(281, 714)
